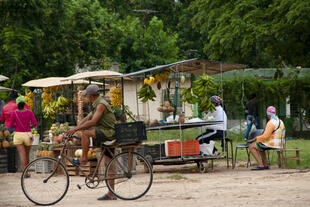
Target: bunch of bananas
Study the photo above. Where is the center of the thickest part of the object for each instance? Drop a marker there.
(116, 96)
(200, 93)
(62, 104)
(163, 76)
(146, 93)
(47, 95)
(29, 99)
(50, 110)
(149, 81)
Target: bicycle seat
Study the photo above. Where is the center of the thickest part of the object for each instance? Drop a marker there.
(109, 143)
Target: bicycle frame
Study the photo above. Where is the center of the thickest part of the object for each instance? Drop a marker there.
(62, 155)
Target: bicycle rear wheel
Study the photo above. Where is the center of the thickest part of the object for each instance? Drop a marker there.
(129, 184)
(40, 190)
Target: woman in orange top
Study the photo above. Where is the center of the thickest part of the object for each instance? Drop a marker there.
(271, 138)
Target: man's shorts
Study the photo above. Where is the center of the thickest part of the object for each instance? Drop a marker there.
(100, 137)
(22, 138)
(262, 147)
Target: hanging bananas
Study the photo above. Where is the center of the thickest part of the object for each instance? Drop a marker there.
(29, 99)
(200, 93)
(146, 93)
(116, 95)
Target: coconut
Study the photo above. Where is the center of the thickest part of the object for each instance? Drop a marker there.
(167, 104)
(165, 109)
(6, 133)
(160, 109)
(5, 144)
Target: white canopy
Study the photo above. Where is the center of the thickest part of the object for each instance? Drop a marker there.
(3, 78)
(54, 81)
(5, 89)
(94, 74)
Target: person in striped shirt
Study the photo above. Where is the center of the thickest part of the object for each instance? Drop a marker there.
(273, 137)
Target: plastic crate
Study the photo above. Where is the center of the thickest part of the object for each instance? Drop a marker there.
(190, 147)
(43, 167)
(3, 161)
(156, 151)
(133, 132)
(12, 158)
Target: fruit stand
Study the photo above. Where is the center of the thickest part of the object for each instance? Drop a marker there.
(177, 151)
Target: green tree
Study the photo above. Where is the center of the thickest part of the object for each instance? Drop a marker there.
(255, 32)
(142, 48)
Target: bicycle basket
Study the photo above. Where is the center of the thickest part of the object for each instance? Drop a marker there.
(132, 132)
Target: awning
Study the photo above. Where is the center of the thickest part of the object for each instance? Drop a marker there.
(5, 89)
(94, 74)
(3, 78)
(193, 66)
(54, 81)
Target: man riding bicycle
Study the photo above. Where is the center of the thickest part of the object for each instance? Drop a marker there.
(99, 125)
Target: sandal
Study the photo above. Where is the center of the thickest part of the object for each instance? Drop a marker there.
(106, 197)
(77, 162)
(267, 167)
(258, 168)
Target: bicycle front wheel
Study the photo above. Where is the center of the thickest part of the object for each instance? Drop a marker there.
(40, 186)
(126, 176)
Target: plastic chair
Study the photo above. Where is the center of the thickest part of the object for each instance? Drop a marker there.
(246, 146)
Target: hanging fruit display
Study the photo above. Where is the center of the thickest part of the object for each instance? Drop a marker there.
(62, 104)
(146, 93)
(149, 81)
(200, 93)
(116, 95)
(53, 107)
(80, 105)
(46, 95)
(182, 79)
(29, 99)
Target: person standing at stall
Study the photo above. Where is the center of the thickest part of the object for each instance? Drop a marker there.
(8, 109)
(20, 120)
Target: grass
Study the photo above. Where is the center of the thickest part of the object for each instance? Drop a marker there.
(177, 176)
(192, 133)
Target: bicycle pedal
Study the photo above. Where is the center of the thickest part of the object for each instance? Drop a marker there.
(79, 187)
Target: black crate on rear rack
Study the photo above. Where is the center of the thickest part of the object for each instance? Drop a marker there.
(132, 132)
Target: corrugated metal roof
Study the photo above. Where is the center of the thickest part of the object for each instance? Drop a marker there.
(193, 66)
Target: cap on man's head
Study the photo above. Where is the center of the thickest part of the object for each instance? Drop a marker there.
(271, 110)
(216, 100)
(20, 99)
(92, 90)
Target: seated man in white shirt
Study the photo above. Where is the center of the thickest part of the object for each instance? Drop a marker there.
(216, 131)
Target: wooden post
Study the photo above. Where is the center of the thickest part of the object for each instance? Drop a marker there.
(123, 106)
(72, 103)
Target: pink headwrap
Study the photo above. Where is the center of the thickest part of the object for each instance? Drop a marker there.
(271, 110)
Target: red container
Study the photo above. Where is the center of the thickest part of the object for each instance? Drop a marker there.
(190, 147)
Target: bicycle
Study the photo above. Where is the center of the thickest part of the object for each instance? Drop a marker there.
(131, 172)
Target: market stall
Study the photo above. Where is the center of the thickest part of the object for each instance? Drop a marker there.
(158, 75)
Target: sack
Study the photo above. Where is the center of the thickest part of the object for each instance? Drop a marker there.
(207, 149)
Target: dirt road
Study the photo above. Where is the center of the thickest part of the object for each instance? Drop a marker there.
(222, 187)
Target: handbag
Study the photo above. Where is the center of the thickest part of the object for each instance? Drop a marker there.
(28, 133)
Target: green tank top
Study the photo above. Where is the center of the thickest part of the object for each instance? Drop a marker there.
(107, 121)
